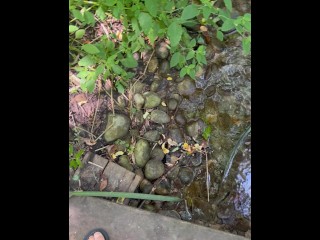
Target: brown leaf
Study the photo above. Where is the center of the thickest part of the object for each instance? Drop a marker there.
(103, 184)
(172, 143)
(111, 149)
(81, 99)
(89, 142)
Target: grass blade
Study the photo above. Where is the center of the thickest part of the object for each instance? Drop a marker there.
(125, 195)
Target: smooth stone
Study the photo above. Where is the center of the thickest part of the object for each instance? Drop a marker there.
(194, 128)
(159, 116)
(155, 85)
(173, 174)
(152, 136)
(117, 127)
(163, 188)
(153, 65)
(138, 100)
(164, 68)
(176, 96)
(138, 87)
(125, 162)
(176, 135)
(142, 152)
(172, 104)
(145, 186)
(139, 172)
(180, 118)
(157, 154)
(162, 50)
(185, 175)
(154, 169)
(187, 87)
(152, 100)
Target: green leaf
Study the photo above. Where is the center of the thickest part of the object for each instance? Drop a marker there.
(70, 150)
(174, 33)
(129, 61)
(247, 26)
(90, 48)
(181, 3)
(77, 14)
(206, 133)
(228, 4)
(116, 69)
(175, 59)
(118, 10)
(73, 164)
(72, 28)
(78, 154)
(246, 45)
(190, 55)
(220, 35)
(183, 71)
(109, 3)
(89, 18)
(90, 84)
(152, 7)
(145, 22)
(206, 12)
(192, 73)
(119, 87)
(99, 70)
(227, 25)
(80, 33)
(100, 13)
(192, 43)
(224, 14)
(87, 61)
(110, 45)
(189, 12)
(247, 17)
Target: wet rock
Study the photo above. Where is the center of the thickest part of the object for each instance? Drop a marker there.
(155, 85)
(164, 68)
(157, 154)
(154, 169)
(138, 87)
(149, 207)
(178, 79)
(180, 118)
(210, 91)
(170, 213)
(176, 96)
(162, 50)
(210, 112)
(125, 162)
(242, 224)
(163, 188)
(117, 127)
(159, 116)
(152, 100)
(173, 174)
(153, 65)
(139, 172)
(142, 152)
(172, 104)
(152, 135)
(176, 135)
(224, 121)
(145, 186)
(202, 209)
(138, 100)
(187, 87)
(185, 175)
(194, 128)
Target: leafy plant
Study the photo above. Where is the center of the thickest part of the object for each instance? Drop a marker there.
(110, 56)
(75, 157)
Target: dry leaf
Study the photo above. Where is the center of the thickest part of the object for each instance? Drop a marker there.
(80, 98)
(172, 143)
(103, 184)
(89, 142)
(111, 149)
(197, 147)
(203, 29)
(164, 149)
(145, 115)
(169, 78)
(164, 104)
(115, 155)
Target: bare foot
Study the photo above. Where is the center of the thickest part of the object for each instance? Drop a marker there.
(96, 236)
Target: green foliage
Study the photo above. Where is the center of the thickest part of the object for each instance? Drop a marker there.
(145, 22)
(207, 132)
(75, 157)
